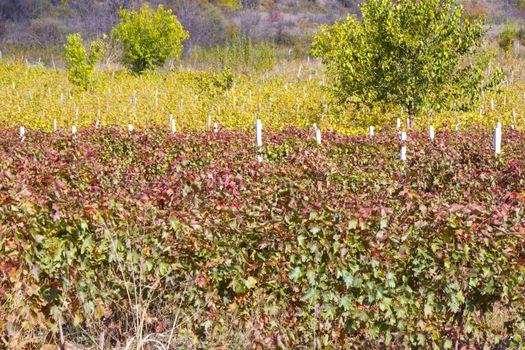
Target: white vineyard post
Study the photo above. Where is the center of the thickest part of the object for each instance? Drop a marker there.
(130, 128)
(173, 126)
(22, 134)
(403, 150)
(318, 136)
(371, 131)
(431, 132)
(398, 123)
(55, 124)
(497, 139)
(403, 153)
(73, 129)
(258, 139)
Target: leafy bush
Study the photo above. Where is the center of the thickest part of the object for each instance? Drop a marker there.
(229, 4)
(507, 36)
(149, 38)
(315, 247)
(80, 64)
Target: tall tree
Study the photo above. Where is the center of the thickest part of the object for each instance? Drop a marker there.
(405, 52)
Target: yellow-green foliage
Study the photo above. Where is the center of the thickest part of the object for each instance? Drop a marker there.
(80, 63)
(291, 94)
(386, 57)
(149, 38)
(239, 52)
(507, 36)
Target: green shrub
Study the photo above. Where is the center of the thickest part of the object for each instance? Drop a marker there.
(149, 38)
(229, 4)
(80, 63)
(507, 36)
(520, 35)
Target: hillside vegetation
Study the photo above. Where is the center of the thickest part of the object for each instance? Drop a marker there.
(45, 23)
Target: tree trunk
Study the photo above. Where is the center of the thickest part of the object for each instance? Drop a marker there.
(410, 114)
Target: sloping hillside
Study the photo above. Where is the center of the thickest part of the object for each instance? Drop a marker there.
(45, 23)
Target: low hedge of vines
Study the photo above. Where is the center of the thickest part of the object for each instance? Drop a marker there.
(334, 246)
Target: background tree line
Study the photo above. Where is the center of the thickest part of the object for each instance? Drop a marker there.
(30, 26)
(46, 23)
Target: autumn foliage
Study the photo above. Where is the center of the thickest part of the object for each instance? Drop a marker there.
(334, 245)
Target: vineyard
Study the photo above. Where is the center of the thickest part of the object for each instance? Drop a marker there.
(189, 238)
(291, 93)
